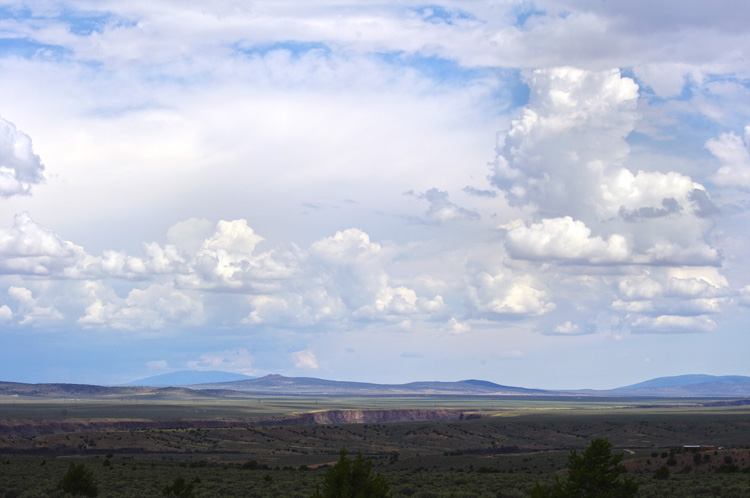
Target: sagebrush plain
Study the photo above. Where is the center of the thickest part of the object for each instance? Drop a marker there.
(256, 446)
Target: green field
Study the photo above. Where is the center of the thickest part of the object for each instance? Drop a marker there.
(517, 442)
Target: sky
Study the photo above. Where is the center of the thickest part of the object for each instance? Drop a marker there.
(547, 194)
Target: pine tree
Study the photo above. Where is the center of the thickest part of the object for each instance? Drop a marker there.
(595, 473)
(352, 479)
(78, 481)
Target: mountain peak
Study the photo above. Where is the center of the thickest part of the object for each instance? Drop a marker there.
(188, 378)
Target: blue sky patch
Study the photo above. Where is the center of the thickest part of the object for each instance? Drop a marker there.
(24, 47)
(296, 48)
(438, 14)
(84, 24)
(434, 67)
(17, 13)
(79, 23)
(526, 13)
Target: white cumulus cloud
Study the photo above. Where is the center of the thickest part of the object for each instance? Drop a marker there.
(567, 328)
(155, 307)
(305, 360)
(20, 167)
(565, 157)
(5, 313)
(734, 156)
(571, 132)
(233, 360)
(455, 327)
(672, 292)
(31, 310)
(502, 293)
(565, 239)
(28, 248)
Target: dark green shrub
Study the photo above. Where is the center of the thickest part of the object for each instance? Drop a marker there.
(662, 473)
(179, 489)
(727, 469)
(78, 480)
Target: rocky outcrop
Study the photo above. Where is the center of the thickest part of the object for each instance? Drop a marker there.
(375, 416)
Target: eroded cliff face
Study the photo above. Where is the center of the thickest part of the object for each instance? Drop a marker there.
(29, 428)
(379, 416)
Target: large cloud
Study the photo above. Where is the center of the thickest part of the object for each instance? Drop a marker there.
(648, 195)
(154, 307)
(344, 278)
(32, 310)
(573, 129)
(503, 295)
(222, 258)
(30, 249)
(228, 260)
(20, 167)
(565, 239)
(672, 300)
(568, 240)
(565, 156)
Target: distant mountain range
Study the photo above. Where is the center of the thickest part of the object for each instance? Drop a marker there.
(212, 384)
(689, 385)
(187, 378)
(278, 384)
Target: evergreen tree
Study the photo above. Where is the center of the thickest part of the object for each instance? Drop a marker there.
(595, 473)
(78, 481)
(352, 479)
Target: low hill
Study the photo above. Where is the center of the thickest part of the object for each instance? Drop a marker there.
(187, 378)
(87, 391)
